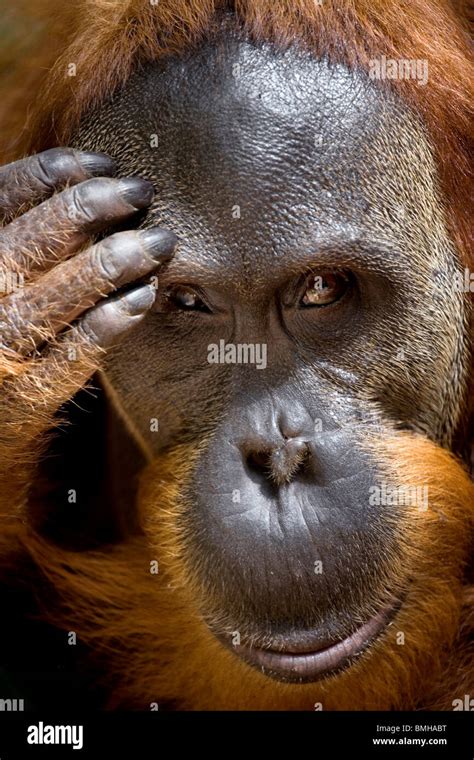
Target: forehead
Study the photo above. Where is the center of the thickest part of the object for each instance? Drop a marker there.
(256, 152)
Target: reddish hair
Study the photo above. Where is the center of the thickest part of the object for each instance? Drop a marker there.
(109, 594)
(106, 38)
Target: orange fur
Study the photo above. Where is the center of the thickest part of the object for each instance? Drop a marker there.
(106, 39)
(149, 627)
(149, 630)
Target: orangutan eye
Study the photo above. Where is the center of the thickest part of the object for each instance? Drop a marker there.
(324, 288)
(185, 299)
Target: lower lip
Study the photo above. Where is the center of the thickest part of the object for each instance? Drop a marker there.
(308, 666)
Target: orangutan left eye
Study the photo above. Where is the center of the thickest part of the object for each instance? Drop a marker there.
(324, 288)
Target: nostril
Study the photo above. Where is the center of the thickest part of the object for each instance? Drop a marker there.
(280, 464)
(288, 461)
(260, 461)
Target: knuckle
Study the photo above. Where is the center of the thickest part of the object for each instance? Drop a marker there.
(48, 167)
(87, 333)
(78, 205)
(106, 263)
(83, 201)
(105, 324)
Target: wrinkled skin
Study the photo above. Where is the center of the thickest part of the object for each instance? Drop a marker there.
(268, 167)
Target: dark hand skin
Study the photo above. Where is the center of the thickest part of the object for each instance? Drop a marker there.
(63, 282)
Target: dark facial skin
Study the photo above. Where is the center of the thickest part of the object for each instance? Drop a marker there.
(272, 168)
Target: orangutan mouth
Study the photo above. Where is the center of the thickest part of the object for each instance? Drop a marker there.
(306, 658)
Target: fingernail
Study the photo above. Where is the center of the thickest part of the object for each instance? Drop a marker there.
(139, 300)
(159, 243)
(97, 164)
(136, 191)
